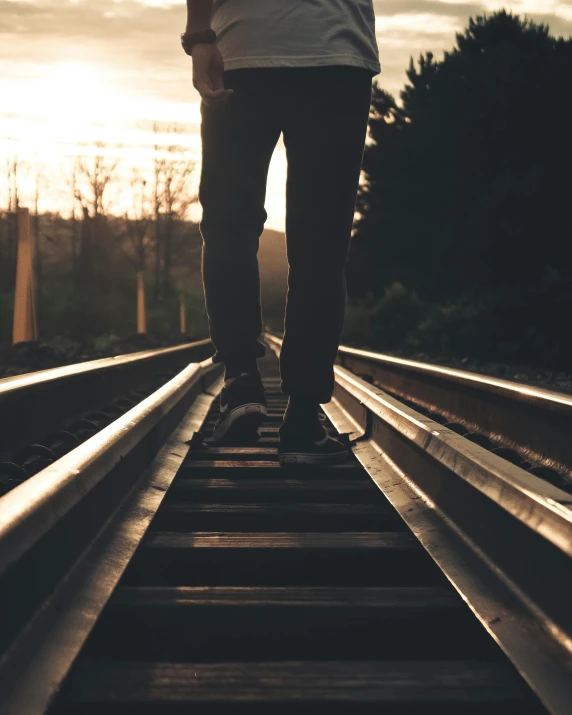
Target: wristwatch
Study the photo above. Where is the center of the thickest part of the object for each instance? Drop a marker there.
(190, 39)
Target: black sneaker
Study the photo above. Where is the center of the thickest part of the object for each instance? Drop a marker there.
(242, 411)
(309, 444)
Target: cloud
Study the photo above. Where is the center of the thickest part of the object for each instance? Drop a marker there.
(134, 47)
(409, 29)
(106, 18)
(422, 7)
(143, 35)
(470, 8)
(138, 43)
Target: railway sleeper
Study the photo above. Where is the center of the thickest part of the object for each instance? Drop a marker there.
(270, 590)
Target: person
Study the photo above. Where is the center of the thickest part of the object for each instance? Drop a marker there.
(304, 70)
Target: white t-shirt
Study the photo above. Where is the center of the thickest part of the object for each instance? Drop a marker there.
(296, 33)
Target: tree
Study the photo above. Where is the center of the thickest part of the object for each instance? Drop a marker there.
(173, 196)
(39, 185)
(465, 183)
(12, 184)
(138, 222)
(92, 179)
(375, 222)
(13, 170)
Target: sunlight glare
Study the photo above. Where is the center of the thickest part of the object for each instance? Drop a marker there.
(74, 89)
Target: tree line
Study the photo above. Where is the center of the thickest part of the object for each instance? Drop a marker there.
(86, 259)
(463, 238)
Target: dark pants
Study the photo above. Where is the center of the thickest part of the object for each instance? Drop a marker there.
(323, 114)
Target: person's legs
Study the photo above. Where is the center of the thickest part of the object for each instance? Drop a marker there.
(324, 124)
(238, 140)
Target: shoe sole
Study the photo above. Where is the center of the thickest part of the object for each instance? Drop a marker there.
(240, 426)
(289, 458)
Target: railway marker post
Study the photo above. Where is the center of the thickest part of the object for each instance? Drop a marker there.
(183, 316)
(141, 313)
(25, 325)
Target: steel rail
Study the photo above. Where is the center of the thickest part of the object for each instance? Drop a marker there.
(502, 536)
(236, 610)
(31, 404)
(76, 524)
(532, 421)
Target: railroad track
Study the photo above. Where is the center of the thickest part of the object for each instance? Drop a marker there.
(142, 573)
(526, 425)
(46, 414)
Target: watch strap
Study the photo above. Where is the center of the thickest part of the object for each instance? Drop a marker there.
(190, 39)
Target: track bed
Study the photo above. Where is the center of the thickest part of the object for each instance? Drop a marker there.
(263, 589)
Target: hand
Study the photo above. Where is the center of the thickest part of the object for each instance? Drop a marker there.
(208, 67)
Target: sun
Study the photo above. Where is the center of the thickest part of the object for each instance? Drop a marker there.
(74, 73)
(77, 87)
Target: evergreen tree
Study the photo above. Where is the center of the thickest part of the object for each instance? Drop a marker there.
(468, 182)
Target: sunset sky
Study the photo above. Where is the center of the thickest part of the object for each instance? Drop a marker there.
(74, 72)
